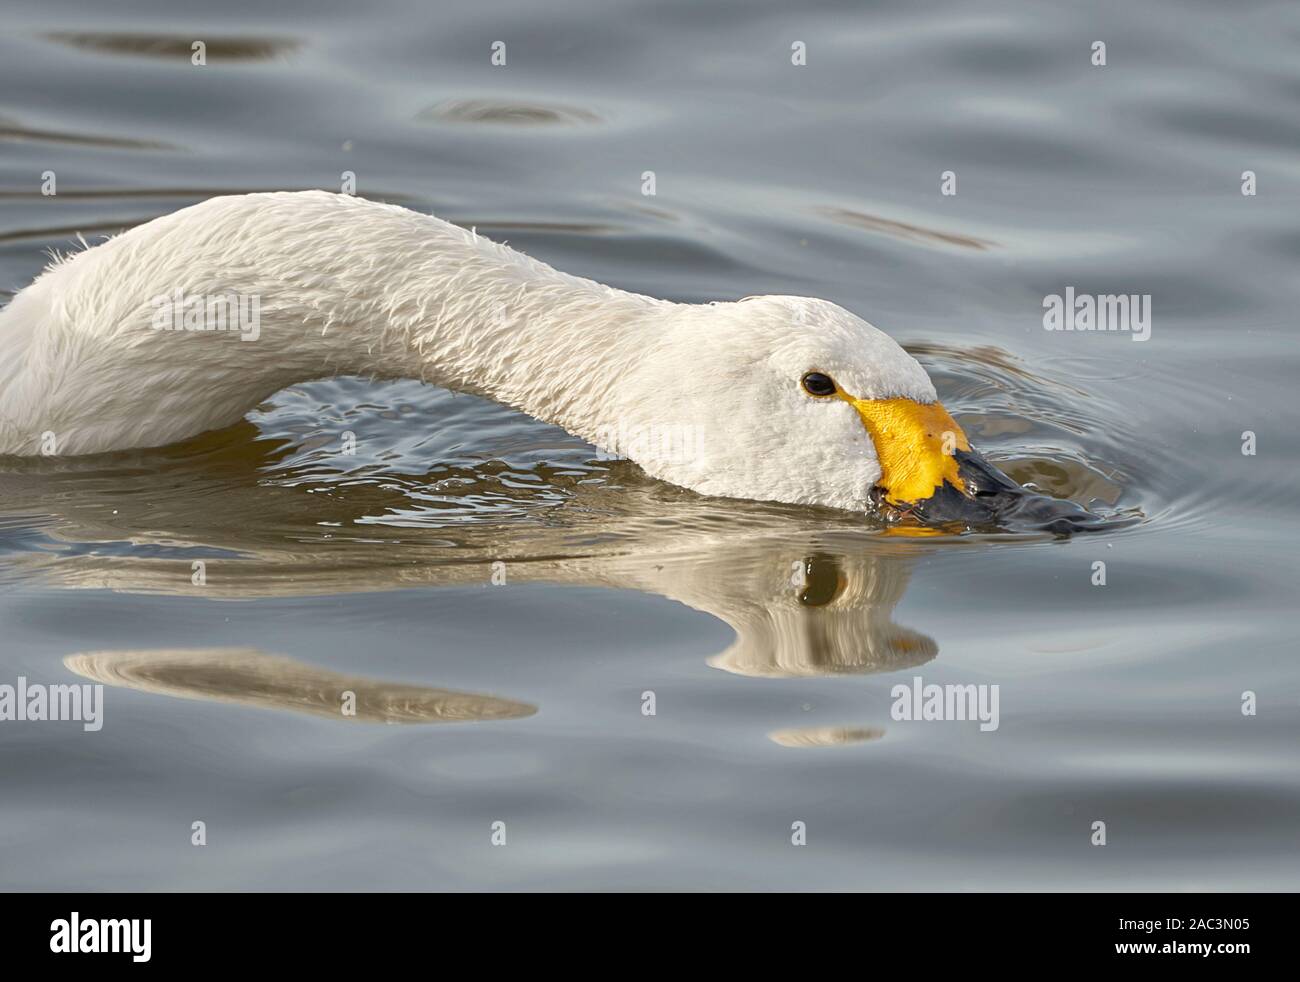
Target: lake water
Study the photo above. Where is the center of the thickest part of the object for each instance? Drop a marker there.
(771, 637)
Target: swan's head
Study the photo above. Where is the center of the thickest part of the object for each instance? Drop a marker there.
(797, 400)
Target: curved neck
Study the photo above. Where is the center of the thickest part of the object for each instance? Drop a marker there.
(467, 314)
(387, 292)
(341, 285)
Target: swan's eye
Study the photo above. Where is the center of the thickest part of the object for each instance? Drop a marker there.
(817, 384)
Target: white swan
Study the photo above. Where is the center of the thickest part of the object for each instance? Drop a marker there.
(786, 399)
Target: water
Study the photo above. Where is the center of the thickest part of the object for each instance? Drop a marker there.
(523, 702)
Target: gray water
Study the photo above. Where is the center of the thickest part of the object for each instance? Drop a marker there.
(521, 703)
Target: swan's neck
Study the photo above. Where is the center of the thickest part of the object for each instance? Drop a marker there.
(339, 286)
(476, 317)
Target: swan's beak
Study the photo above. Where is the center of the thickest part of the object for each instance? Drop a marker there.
(929, 472)
(917, 445)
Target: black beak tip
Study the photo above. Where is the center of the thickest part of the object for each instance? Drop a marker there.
(994, 502)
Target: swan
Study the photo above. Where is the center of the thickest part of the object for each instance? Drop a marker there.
(132, 343)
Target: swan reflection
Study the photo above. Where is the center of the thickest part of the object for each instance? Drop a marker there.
(807, 593)
(250, 677)
(825, 736)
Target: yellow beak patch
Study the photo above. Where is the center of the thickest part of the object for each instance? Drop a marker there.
(915, 443)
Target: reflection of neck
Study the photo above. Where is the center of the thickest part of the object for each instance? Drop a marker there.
(840, 620)
(247, 676)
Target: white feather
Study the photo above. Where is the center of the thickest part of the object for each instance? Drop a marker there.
(705, 396)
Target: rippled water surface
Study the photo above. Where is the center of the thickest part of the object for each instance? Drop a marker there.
(373, 572)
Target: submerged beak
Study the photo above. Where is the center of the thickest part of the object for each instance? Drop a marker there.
(928, 472)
